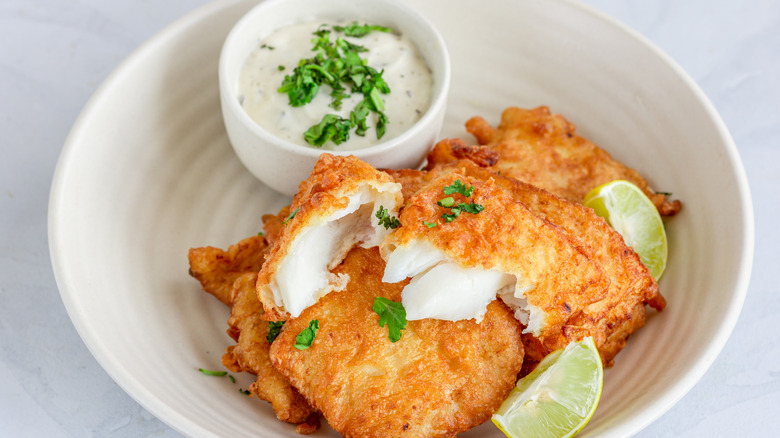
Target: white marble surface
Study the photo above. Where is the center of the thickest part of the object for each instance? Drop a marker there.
(53, 56)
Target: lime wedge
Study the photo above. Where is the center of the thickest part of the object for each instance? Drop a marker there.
(558, 398)
(631, 213)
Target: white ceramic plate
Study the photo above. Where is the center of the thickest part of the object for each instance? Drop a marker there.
(147, 173)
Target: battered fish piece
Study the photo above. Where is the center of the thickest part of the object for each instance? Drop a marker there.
(543, 149)
(338, 207)
(439, 379)
(459, 266)
(217, 270)
(621, 312)
(250, 354)
(610, 320)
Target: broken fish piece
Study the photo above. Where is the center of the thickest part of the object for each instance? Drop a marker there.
(345, 202)
(538, 270)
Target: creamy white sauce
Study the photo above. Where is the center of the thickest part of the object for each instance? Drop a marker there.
(405, 72)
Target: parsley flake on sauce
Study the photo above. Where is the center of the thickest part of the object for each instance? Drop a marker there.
(356, 30)
(306, 337)
(332, 127)
(392, 314)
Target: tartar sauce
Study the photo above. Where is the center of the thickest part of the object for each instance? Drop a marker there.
(405, 72)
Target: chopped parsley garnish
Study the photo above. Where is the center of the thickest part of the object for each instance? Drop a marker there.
(212, 373)
(458, 187)
(232, 379)
(462, 207)
(332, 127)
(306, 337)
(456, 209)
(392, 314)
(472, 208)
(244, 391)
(429, 224)
(338, 64)
(386, 220)
(449, 217)
(356, 30)
(280, 67)
(274, 328)
(291, 215)
(446, 202)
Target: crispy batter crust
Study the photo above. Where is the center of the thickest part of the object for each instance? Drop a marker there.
(231, 276)
(612, 319)
(543, 149)
(323, 193)
(439, 379)
(217, 270)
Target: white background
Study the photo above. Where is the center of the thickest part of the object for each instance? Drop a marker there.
(53, 56)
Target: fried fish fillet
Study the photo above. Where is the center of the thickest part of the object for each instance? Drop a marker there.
(231, 277)
(610, 320)
(439, 379)
(457, 266)
(621, 312)
(337, 207)
(217, 270)
(543, 149)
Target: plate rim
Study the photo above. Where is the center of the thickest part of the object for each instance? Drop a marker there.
(183, 424)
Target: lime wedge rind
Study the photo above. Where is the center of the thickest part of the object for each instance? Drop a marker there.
(558, 398)
(631, 213)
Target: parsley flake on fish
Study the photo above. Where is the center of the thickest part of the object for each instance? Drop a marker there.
(274, 328)
(306, 337)
(385, 219)
(392, 314)
(472, 208)
(446, 202)
(458, 187)
(290, 216)
(457, 209)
